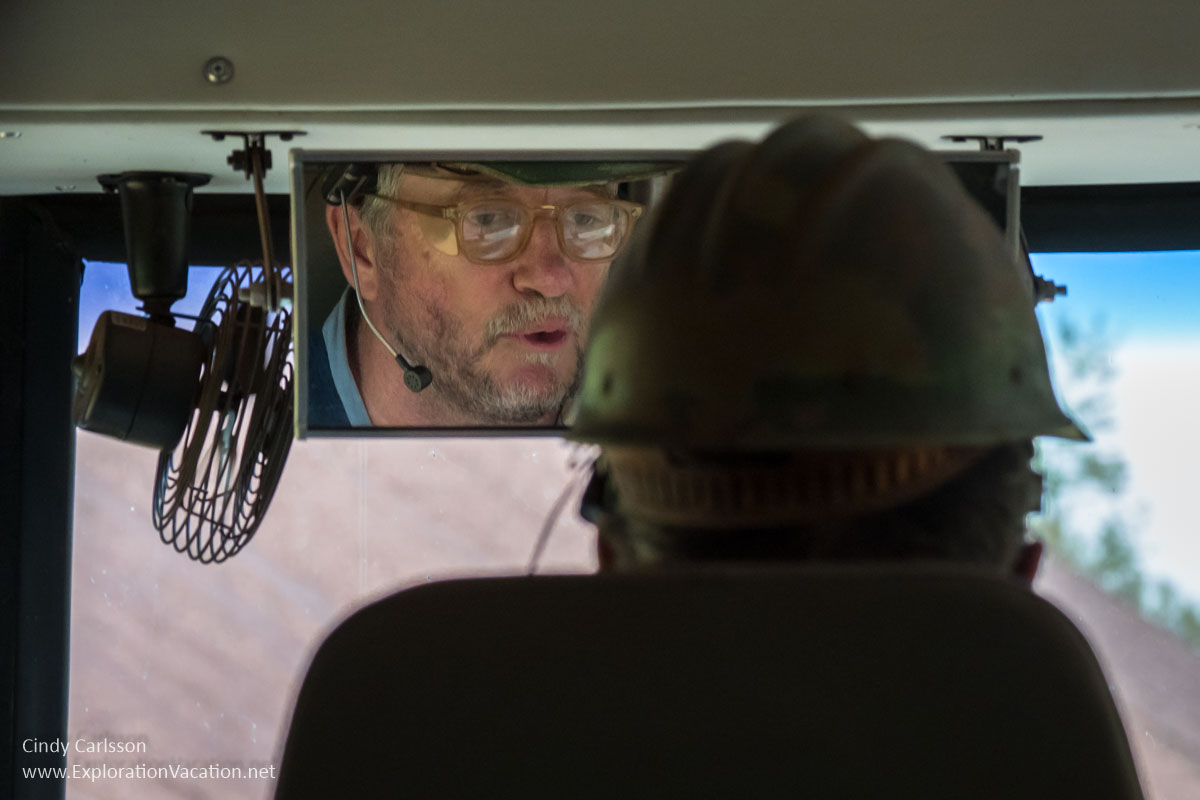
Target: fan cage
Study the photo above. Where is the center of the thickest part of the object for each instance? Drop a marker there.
(212, 491)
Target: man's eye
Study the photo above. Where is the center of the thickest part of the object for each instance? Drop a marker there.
(581, 220)
(590, 217)
(487, 220)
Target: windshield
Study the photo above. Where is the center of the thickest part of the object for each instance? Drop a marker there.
(192, 668)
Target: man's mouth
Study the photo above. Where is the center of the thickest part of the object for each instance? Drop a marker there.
(550, 334)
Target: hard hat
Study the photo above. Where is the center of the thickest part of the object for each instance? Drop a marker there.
(820, 290)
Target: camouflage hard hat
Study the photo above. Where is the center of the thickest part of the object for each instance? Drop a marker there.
(820, 290)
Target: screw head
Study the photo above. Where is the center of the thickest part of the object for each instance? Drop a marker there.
(218, 69)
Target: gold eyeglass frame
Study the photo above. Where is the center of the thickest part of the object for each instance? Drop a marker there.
(448, 238)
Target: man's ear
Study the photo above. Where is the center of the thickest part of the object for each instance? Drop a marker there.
(1028, 560)
(362, 240)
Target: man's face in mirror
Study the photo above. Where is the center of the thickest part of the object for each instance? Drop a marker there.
(504, 341)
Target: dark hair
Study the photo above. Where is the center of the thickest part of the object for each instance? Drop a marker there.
(976, 517)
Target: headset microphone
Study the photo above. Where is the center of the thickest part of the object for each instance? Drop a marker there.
(416, 376)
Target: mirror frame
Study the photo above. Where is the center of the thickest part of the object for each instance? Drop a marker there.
(302, 161)
(1006, 180)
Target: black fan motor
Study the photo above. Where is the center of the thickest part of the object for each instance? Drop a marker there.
(137, 380)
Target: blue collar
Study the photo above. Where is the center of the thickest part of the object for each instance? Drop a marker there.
(334, 334)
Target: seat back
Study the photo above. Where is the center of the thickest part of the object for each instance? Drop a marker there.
(868, 682)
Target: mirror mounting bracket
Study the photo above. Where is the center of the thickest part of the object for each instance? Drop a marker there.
(253, 144)
(989, 143)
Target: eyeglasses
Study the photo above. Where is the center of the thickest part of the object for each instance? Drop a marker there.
(497, 230)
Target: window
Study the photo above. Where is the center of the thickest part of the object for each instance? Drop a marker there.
(1118, 514)
(199, 663)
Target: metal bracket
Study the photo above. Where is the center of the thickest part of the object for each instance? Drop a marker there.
(254, 160)
(252, 142)
(989, 143)
(351, 183)
(1044, 291)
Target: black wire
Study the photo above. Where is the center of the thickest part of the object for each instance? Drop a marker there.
(582, 473)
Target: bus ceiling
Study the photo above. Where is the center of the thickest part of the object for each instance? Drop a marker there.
(130, 86)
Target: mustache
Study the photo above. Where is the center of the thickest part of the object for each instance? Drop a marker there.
(519, 316)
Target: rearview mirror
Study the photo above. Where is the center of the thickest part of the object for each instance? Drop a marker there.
(476, 276)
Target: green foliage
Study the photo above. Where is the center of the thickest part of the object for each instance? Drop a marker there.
(1108, 474)
(1112, 562)
(1187, 625)
(1116, 565)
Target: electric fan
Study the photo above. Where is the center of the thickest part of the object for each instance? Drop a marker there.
(216, 401)
(213, 488)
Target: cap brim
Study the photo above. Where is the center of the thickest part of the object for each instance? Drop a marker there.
(1070, 430)
(569, 173)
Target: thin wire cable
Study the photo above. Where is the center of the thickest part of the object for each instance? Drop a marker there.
(548, 527)
(354, 273)
(270, 278)
(581, 472)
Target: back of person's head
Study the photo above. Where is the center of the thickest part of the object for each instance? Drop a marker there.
(820, 348)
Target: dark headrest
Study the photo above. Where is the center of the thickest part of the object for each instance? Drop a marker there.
(907, 682)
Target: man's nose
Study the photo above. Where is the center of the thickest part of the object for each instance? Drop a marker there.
(543, 268)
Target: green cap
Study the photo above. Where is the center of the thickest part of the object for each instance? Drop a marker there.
(548, 173)
(359, 179)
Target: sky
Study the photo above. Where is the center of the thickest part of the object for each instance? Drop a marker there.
(1147, 306)
(1144, 296)
(106, 287)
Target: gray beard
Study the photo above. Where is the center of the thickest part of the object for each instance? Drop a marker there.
(462, 385)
